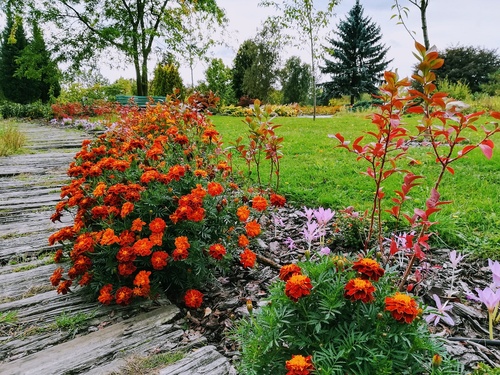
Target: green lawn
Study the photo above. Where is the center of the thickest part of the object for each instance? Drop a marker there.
(315, 173)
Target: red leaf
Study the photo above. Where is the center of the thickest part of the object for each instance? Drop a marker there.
(415, 109)
(495, 115)
(487, 148)
(451, 170)
(394, 247)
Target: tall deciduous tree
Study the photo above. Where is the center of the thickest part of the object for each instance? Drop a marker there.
(403, 11)
(358, 58)
(302, 16)
(245, 57)
(470, 65)
(130, 27)
(219, 78)
(295, 81)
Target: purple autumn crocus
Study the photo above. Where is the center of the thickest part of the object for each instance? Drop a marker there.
(323, 216)
(490, 298)
(456, 258)
(495, 270)
(440, 312)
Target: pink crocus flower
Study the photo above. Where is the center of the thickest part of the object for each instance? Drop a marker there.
(490, 298)
(323, 216)
(308, 213)
(440, 312)
(495, 270)
(310, 232)
(325, 250)
(456, 258)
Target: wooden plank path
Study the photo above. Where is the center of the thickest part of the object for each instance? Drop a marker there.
(107, 337)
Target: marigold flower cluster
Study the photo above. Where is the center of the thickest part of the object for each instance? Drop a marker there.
(299, 365)
(152, 200)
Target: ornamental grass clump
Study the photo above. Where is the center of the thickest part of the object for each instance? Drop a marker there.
(334, 315)
(154, 208)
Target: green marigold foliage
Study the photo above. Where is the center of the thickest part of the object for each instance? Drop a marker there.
(341, 322)
(154, 208)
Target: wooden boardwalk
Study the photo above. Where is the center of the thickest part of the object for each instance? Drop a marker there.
(34, 339)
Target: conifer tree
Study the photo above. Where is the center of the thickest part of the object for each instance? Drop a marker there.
(357, 57)
(36, 65)
(16, 89)
(166, 78)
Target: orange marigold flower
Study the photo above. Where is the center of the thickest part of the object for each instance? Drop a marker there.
(109, 237)
(127, 238)
(63, 287)
(299, 365)
(402, 307)
(85, 280)
(200, 173)
(157, 225)
(359, 289)
(159, 260)
(243, 213)
(368, 268)
(210, 133)
(124, 295)
(179, 254)
(196, 215)
(126, 268)
(176, 172)
(58, 255)
(248, 258)
(243, 241)
(126, 254)
(82, 264)
(288, 270)
(143, 247)
(56, 277)
(252, 228)
(149, 176)
(142, 278)
(298, 286)
(193, 298)
(217, 251)
(137, 225)
(106, 294)
(99, 189)
(182, 242)
(100, 212)
(259, 203)
(126, 209)
(214, 188)
(277, 200)
(156, 238)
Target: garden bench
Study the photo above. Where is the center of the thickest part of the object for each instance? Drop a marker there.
(140, 101)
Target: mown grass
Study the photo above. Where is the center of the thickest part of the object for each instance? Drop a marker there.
(11, 139)
(316, 173)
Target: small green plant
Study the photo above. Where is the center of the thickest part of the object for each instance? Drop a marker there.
(8, 317)
(484, 369)
(11, 139)
(69, 322)
(147, 365)
(335, 316)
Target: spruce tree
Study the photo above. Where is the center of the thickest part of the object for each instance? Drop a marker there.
(358, 59)
(167, 78)
(36, 65)
(16, 89)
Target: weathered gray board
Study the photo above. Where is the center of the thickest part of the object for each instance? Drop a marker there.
(33, 344)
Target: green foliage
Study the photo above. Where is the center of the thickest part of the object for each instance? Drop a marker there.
(245, 57)
(341, 335)
(219, 79)
(473, 66)
(492, 87)
(8, 317)
(295, 81)
(455, 90)
(166, 79)
(83, 33)
(71, 322)
(35, 64)
(36, 110)
(484, 369)
(358, 57)
(14, 88)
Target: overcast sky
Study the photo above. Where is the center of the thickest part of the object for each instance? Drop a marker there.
(450, 23)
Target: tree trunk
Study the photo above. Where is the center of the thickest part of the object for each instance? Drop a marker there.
(423, 18)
